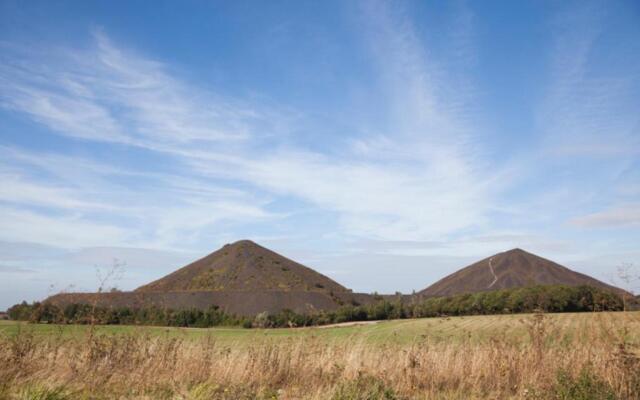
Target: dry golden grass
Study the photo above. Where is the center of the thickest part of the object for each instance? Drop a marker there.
(602, 362)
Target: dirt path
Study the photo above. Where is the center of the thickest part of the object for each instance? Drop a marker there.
(495, 277)
(354, 323)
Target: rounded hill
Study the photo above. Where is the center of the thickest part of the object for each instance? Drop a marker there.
(510, 269)
(243, 266)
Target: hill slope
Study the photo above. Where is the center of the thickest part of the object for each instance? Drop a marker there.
(513, 268)
(245, 266)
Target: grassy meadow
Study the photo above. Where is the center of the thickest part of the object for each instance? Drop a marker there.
(568, 327)
(544, 356)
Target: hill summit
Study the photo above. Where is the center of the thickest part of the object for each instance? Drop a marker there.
(243, 266)
(510, 269)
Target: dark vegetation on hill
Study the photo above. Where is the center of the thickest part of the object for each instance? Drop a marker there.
(510, 269)
(551, 298)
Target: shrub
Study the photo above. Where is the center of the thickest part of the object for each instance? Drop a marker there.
(262, 320)
(364, 387)
(44, 393)
(207, 391)
(586, 386)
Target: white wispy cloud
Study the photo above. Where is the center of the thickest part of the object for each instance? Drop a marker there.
(626, 215)
(589, 125)
(383, 200)
(416, 180)
(5, 269)
(421, 183)
(20, 190)
(115, 95)
(589, 110)
(169, 213)
(61, 230)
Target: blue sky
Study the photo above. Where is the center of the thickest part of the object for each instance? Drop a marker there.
(385, 144)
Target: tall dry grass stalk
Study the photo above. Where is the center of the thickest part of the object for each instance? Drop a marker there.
(137, 365)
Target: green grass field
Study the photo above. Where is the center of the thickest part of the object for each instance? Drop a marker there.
(567, 327)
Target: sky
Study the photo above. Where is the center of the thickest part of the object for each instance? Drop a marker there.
(384, 144)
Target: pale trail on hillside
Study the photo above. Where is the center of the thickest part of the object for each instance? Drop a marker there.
(495, 277)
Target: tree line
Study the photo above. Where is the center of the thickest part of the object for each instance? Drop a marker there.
(550, 298)
(88, 314)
